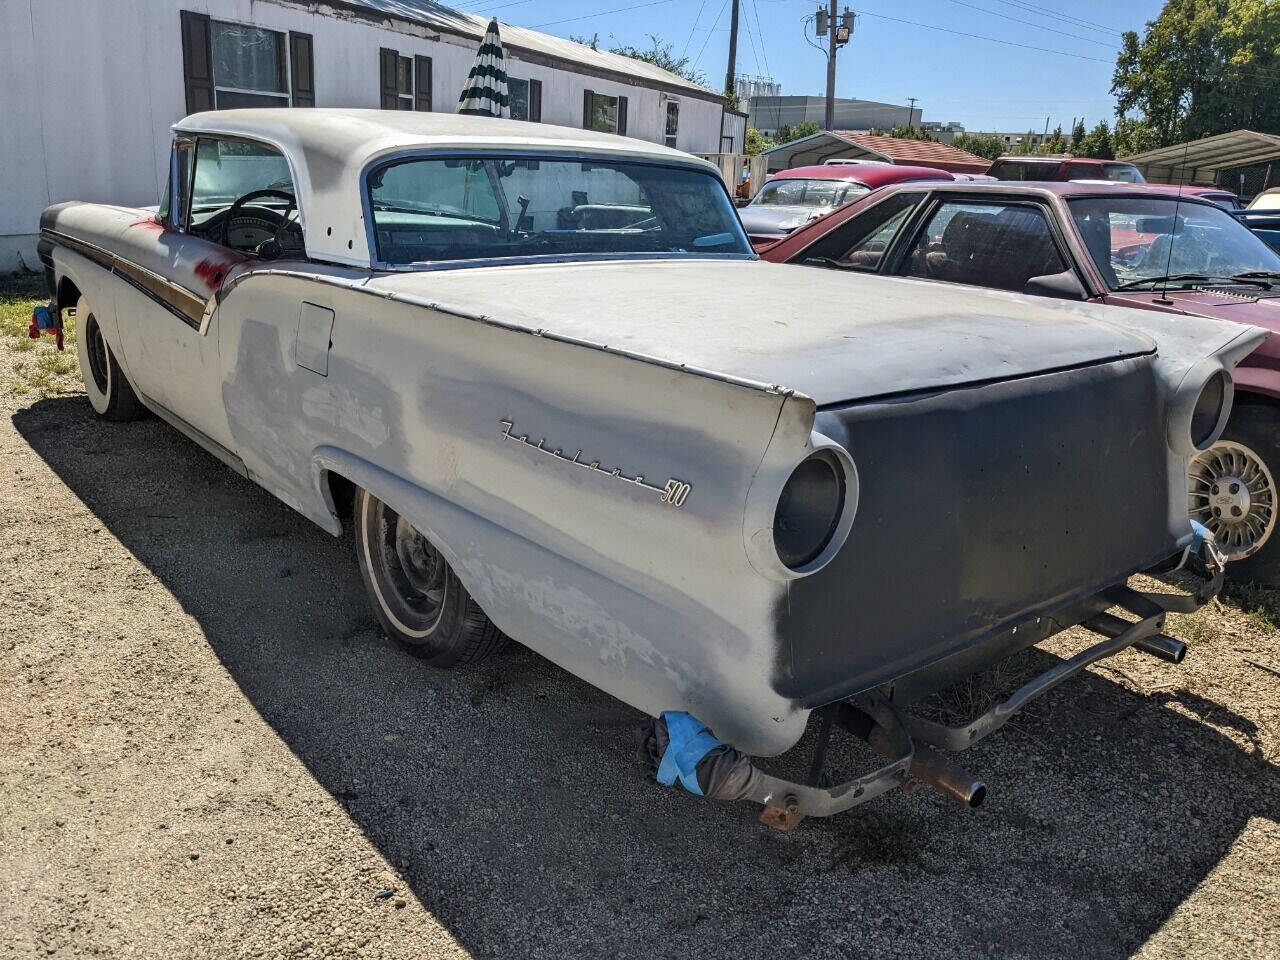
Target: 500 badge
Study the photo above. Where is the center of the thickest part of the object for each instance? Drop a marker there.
(673, 493)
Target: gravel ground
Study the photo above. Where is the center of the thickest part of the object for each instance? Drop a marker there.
(207, 749)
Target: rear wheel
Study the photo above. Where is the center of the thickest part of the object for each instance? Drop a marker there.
(415, 594)
(1233, 492)
(105, 385)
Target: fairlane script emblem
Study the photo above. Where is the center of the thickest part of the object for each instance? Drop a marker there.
(673, 493)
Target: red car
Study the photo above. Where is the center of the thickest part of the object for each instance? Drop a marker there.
(794, 197)
(1062, 169)
(1132, 246)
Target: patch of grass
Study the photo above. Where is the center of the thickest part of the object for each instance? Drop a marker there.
(52, 372)
(1261, 605)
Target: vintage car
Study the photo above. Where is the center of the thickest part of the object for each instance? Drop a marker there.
(792, 198)
(1124, 244)
(538, 372)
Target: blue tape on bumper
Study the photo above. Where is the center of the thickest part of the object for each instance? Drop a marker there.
(689, 740)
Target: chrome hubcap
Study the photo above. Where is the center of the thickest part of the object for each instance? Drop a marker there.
(1233, 494)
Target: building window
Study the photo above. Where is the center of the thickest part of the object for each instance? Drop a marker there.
(673, 123)
(406, 81)
(604, 113)
(525, 99)
(249, 67)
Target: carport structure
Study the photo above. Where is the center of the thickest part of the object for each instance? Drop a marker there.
(1202, 161)
(844, 145)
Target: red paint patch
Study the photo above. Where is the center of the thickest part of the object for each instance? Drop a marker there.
(213, 272)
(149, 223)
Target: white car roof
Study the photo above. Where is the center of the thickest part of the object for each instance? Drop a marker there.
(328, 150)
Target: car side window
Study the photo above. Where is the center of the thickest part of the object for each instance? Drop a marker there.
(1000, 245)
(862, 241)
(242, 195)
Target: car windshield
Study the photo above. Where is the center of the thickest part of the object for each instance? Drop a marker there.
(1138, 242)
(809, 193)
(483, 208)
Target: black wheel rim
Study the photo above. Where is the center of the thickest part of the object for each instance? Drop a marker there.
(410, 575)
(96, 347)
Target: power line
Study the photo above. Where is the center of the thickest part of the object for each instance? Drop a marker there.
(600, 13)
(702, 49)
(693, 29)
(1058, 15)
(1038, 26)
(755, 7)
(978, 36)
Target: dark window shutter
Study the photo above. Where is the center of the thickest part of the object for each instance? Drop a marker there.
(422, 83)
(535, 101)
(387, 60)
(588, 97)
(303, 81)
(197, 61)
(622, 116)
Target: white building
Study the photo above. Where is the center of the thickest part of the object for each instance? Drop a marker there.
(89, 88)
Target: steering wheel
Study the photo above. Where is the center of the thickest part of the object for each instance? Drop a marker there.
(282, 219)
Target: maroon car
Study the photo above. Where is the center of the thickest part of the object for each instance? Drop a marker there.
(1031, 167)
(792, 198)
(1132, 246)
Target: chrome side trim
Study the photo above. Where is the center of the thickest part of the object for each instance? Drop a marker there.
(178, 300)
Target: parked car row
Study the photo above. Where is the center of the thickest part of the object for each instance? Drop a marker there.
(542, 377)
(1115, 241)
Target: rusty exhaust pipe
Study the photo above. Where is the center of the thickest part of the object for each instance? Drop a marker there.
(932, 768)
(928, 766)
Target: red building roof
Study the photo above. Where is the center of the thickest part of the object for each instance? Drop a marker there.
(924, 153)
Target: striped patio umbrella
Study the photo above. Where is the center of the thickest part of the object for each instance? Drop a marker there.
(485, 92)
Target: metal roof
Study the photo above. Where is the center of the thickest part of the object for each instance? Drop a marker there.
(1236, 149)
(825, 145)
(521, 40)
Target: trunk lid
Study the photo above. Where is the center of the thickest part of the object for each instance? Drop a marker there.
(831, 335)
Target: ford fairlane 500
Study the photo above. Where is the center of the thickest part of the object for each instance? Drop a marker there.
(539, 371)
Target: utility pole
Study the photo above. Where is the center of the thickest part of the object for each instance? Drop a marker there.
(838, 33)
(911, 111)
(733, 51)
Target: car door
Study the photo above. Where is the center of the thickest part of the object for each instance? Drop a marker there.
(862, 242)
(174, 265)
(1002, 244)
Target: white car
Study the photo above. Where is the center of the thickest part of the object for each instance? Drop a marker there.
(541, 372)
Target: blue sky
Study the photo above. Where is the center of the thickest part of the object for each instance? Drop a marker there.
(982, 84)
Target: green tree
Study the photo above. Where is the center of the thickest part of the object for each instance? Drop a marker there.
(757, 142)
(660, 53)
(786, 133)
(1201, 67)
(1077, 136)
(911, 133)
(1056, 143)
(1097, 143)
(989, 147)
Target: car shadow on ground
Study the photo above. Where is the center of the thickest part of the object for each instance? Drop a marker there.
(509, 797)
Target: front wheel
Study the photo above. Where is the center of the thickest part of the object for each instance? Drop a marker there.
(109, 393)
(415, 594)
(1233, 492)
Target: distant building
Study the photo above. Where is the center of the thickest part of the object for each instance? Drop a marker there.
(1015, 141)
(944, 132)
(848, 145)
(744, 88)
(768, 113)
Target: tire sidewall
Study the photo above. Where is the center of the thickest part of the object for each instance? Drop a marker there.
(99, 400)
(1257, 427)
(441, 645)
